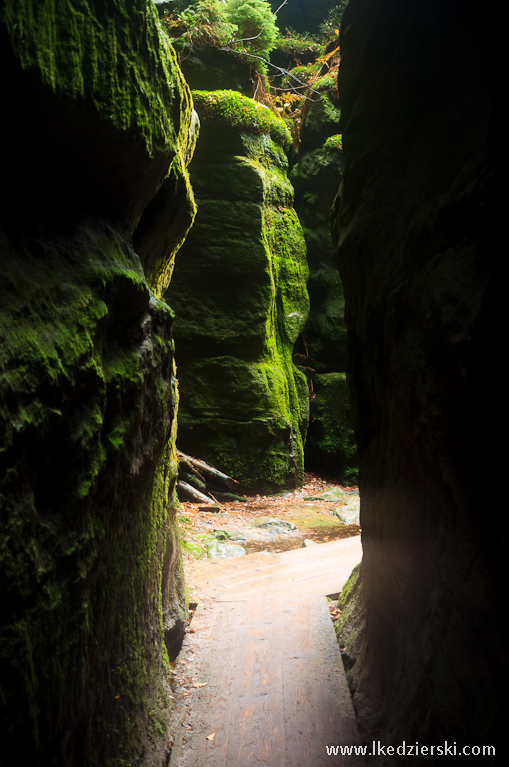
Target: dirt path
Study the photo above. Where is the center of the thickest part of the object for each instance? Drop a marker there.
(260, 680)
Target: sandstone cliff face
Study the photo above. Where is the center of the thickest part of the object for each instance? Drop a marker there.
(421, 227)
(96, 117)
(239, 294)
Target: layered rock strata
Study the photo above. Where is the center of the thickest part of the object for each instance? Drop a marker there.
(239, 294)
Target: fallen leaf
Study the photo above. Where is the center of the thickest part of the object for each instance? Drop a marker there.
(211, 737)
(200, 684)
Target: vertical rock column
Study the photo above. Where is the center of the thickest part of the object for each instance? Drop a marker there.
(240, 299)
(96, 119)
(330, 443)
(421, 228)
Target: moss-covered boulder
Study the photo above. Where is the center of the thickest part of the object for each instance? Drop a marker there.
(331, 444)
(239, 294)
(96, 119)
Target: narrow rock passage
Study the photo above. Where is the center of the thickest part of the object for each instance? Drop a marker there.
(270, 685)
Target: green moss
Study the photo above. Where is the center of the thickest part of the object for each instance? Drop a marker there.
(238, 111)
(299, 44)
(89, 551)
(328, 82)
(239, 293)
(63, 349)
(334, 142)
(350, 587)
(331, 439)
(115, 57)
(297, 75)
(350, 627)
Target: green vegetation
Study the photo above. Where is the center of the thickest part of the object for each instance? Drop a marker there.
(350, 587)
(79, 56)
(205, 22)
(350, 627)
(237, 111)
(239, 294)
(256, 25)
(331, 438)
(330, 26)
(334, 142)
(89, 554)
(298, 45)
(247, 26)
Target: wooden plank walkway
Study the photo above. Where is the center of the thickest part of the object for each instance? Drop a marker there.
(275, 690)
(317, 571)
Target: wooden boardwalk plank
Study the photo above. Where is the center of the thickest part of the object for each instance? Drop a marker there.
(318, 709)
(275, 690)
(276, 693)
(316, 571)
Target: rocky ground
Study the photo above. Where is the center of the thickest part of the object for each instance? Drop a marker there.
(320, 511)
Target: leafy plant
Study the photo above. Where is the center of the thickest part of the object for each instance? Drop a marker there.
(256, 25)
(334, 142)
(298, 77)
(329, 28)
(299, 45)
(205, 22)
(289, 106)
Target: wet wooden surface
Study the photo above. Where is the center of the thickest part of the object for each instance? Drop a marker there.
(274, 690)
(316, 571)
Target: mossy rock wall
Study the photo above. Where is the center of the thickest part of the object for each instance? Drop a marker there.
(330, 444)
(96, 119)
(316, 178)
(240, 299)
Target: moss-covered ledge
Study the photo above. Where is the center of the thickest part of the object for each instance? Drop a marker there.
(237, 111)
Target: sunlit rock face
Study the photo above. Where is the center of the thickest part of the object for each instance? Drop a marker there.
(421, 232)
(96, 119)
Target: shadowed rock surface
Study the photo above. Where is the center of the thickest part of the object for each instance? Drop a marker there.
(96, 116)
(330, 442)
(421, 227)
